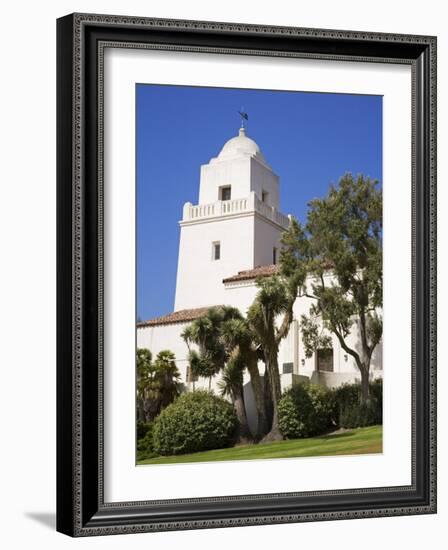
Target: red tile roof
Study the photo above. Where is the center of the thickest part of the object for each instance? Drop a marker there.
(262, 271)
(186, 315)
(259, 271)
(181, 316)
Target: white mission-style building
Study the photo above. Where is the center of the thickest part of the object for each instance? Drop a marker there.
(227, 240)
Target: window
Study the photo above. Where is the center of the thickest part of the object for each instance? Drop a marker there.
(225, 193)
(216, 251)
(264, 196)
(274, 255)
(324, 359)
(288, 368)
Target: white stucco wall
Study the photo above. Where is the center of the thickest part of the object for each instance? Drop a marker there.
(244, 175)
(246, 227)
(168, 337)
(292, 350)
(243, 169)
(266, 236)
(241, 295)
(199, 276)
(262, 179)
(235, 173)
(165, 337)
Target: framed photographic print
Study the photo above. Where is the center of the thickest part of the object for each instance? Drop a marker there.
(246, 274)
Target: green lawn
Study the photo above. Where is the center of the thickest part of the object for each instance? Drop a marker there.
(352, 442)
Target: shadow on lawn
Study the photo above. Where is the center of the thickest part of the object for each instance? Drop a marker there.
(336, 435)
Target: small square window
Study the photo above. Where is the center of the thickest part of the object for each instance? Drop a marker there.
(288, 368)
(324, 359)
(217, 251)
(225, 193)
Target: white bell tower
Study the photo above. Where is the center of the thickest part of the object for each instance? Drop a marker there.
(235, 226)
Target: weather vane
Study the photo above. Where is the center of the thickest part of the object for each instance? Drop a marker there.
(244, 116)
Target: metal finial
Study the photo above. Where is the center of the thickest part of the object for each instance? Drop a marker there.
(244, 116)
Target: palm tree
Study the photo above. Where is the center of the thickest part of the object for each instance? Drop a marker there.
(168, 377)
(238, 337)
(157, 383)
(143, 366)
(205, 333)
(204, 365)
(276, 298)
(218, 350)
(231, 385)
(271, 301)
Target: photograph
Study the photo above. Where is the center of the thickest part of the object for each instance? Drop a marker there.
(259, 274)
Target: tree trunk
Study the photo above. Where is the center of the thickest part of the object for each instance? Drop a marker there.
(268, 407)
(364, 366)
(244, 434)
(147, 410)
(362, 360)
(276, 391)
(257, 388)
(365, 388)
(140, 410)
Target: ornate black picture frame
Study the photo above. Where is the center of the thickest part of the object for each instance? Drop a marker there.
(81, 509)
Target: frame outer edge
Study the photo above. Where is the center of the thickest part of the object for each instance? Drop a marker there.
(65, 467)
(70, 170)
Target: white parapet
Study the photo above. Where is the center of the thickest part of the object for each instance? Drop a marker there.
(252, 203)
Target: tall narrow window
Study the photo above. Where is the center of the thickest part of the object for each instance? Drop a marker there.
(274, 255)
(225, 193)
(264, 196)
(216, 251)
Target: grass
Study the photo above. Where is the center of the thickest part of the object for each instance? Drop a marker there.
(352, 442)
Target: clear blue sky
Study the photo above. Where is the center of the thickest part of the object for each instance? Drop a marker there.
(309, 139)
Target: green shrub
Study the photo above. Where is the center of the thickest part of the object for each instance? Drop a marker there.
(196, 421)
(358, 416)
(306, 410)
(354, 414)
(376, 391)
(145, 441)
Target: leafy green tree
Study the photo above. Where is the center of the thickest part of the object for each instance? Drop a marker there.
(344, 232)
(273, 302)
(157, 383)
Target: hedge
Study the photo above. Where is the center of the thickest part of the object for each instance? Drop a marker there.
(145, 441)
(354, 414)
(306, 410)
